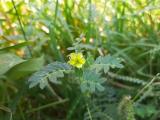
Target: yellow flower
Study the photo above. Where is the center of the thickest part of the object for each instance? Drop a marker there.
(76, 60)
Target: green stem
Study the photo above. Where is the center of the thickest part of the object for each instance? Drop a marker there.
(89, 113)
(89, 21)
(48, 105)
(20, 23)
(53, 92)
(73, 107)
(142, 90)
(56, 10)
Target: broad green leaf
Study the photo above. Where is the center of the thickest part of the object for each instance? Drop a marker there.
(91, 81)
(51, 73)
(106, 62)
(25, 68)
(7, 61)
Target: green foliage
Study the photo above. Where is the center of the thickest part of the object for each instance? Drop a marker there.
(95, 114)
(73, 107)
(106, 62)
(145, 111)
(102, 105)
(150, 94)
(51, 73)
(91, 82)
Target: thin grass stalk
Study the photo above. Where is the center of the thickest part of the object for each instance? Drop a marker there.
(23, 32)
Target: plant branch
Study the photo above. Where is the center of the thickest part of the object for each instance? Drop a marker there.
(48, 105)
(146, 86)
(89, 113)
(53, 92)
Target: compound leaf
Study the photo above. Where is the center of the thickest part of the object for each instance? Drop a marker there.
(91, 81)
(106, 62)
(51, 73)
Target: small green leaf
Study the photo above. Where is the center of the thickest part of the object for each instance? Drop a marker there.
(51, 73)
(91, 81)
(106, 62)
(89, 59)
